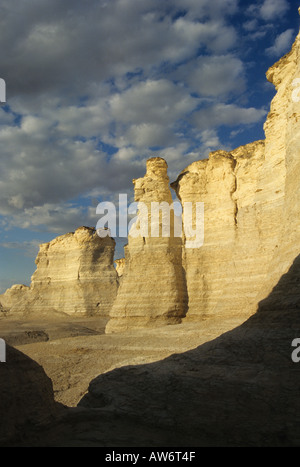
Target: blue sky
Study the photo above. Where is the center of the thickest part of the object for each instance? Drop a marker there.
(95, 88)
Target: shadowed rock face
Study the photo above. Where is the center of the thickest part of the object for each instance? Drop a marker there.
(74, 275)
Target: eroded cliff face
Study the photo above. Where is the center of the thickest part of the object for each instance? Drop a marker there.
(75, 274)
(153, 290)
(251, 220)
(222, 273)
(283, 148)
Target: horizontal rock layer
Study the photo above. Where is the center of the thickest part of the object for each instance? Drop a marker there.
(251, 209)
(251, 223)
(153, 289)
(74, 274)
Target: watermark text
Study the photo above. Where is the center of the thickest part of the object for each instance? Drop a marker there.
(155, 219)
(296, 353)
(2, 91)
(2, 351)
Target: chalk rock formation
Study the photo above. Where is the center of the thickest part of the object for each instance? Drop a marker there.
(283, 153)
(152, 291)
(75, 274)
(251, 221)
(225, 269)
(251, 209)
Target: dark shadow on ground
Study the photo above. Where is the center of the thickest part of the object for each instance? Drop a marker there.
(27, 405)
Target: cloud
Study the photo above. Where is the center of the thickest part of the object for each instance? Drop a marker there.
(268, 10)
(55, 46)
(95, 88)
(282, 43)
(152, 101)
(272, 9)
(150, 135)
(214, 76)
(52, 217)
(210, 139)
(39, 166)
(214, 34)
(228, 115)
(146, 114)
(251, 25)
(30, 248)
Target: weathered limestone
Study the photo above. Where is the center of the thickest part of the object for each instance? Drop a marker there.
(75, 274)
(251, 202)
(283, 142)
(224, 270)
(152, 291)
(251, 218)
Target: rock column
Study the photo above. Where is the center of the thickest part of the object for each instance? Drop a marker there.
(153, 290)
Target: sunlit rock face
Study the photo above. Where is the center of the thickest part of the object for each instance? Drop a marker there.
(250, 223)
(74, 275)
(251, 206)
(153, 291)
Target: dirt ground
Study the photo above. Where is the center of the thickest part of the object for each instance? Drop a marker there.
(75, 350)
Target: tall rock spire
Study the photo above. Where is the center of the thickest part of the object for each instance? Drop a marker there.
(152, 291)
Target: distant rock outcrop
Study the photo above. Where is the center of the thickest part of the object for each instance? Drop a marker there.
(75, 274)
